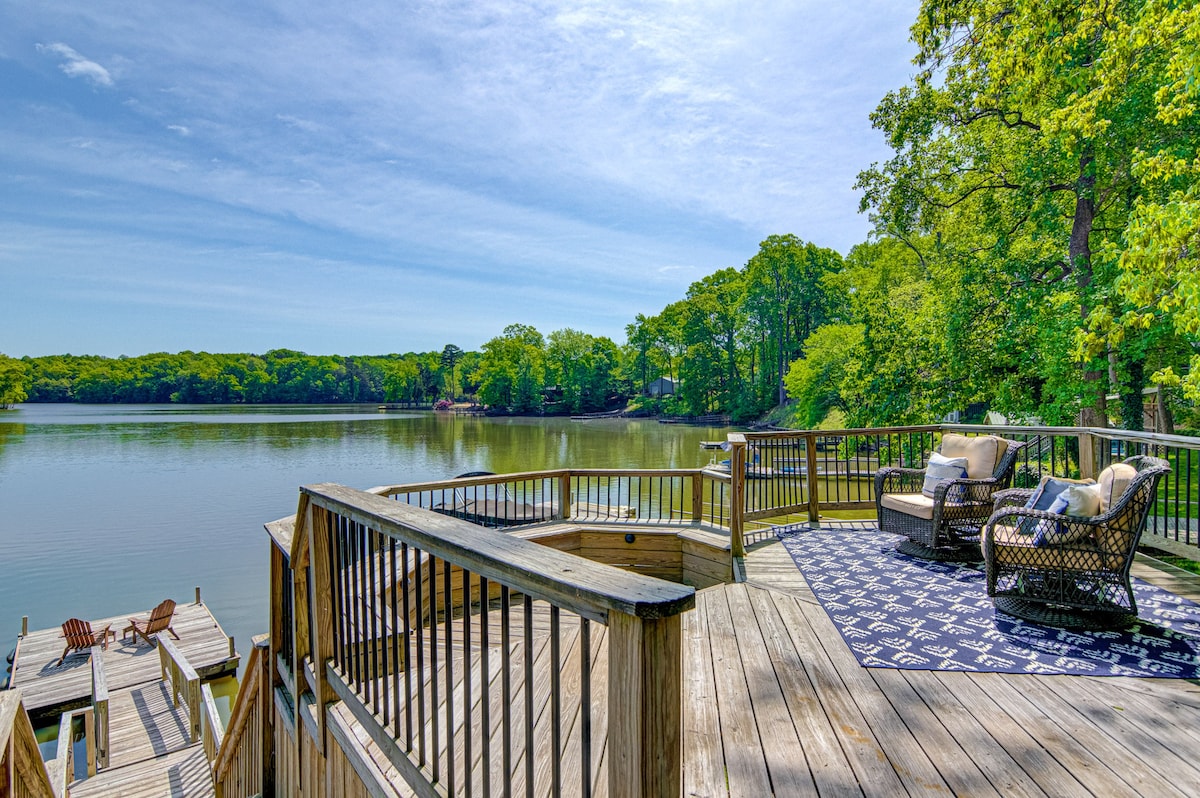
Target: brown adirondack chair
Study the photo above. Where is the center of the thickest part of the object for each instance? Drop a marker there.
(80, 636)
(160, 619)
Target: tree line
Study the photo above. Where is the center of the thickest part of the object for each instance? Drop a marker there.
(1034, 250)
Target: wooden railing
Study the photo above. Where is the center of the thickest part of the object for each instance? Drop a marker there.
(805, 472)
(240, 759)
(22, 772)
(100, 707)
(402, 624)
(183, 684)
(660, 496)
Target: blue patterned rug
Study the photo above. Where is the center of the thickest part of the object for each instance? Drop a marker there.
(896, 611)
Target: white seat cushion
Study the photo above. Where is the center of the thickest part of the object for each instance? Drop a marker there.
(917, 505)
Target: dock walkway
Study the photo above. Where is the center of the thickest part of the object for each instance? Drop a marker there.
(150, 749)
(49, 689)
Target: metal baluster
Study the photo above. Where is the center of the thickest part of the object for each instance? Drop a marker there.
(585, 706)
(395, 628)
(407, 625)
(506, 690)
(555, 705)
(485, 709)
(371, 596)
(466, 692)
(529, 743)
(363, 586)
(419, 568)
(448, 605)
(433, 665)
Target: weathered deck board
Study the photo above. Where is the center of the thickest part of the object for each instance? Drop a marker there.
(776, 704)
(49, 689)
(182, 774)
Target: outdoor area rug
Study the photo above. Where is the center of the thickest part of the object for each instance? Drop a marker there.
(896, 611)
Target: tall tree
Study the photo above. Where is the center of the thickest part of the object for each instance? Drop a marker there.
(1015, 154)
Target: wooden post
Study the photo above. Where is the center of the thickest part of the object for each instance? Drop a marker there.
(810, 481)
(1087, 455)
(564, 495)
(322, 612)
(24, 626)
(698, 497)
(89, 737)
(266, 705)
(197, 594)
(737, 494)
(100, 706)
(645, 716)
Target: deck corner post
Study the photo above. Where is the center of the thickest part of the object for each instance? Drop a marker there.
(564, 495)
(645, 717)
(810, 478)
(737, 494)
(698, 497)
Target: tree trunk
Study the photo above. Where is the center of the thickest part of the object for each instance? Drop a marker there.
(1093, 410)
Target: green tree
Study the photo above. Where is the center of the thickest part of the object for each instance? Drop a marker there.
(14, 376)
(1015, 156)
(512, 370)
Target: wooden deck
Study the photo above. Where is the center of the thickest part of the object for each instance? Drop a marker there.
(49, 689)
(776, 704)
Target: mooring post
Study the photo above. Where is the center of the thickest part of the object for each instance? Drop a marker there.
(197, 594)
(24, 626)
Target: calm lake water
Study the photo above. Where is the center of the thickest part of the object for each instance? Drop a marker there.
(106, 510)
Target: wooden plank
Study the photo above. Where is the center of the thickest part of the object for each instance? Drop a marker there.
(744, 762)
(1103, 732)
(826, 762)
(704, 760)
(184, 773)
(865, 753)
(956, 764)
(771, 712)
(1025, 750)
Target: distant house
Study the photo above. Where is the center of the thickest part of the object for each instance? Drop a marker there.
(661, 387)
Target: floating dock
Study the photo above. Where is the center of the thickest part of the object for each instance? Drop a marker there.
(49, 689)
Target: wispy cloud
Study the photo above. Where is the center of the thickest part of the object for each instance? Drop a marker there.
(76, 66)
(517, 161)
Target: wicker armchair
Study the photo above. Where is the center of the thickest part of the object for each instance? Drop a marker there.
(946, 525)
(1079, 576)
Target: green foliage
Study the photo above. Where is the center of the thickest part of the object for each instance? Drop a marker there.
(13, 379)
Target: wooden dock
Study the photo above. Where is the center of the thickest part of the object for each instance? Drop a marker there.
(49, 689)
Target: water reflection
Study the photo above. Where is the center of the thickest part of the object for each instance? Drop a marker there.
(183, 491)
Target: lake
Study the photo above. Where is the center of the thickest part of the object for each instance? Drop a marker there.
(108, 509)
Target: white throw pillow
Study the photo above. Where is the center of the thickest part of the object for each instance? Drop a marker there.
(1083, 501)
(942, 469)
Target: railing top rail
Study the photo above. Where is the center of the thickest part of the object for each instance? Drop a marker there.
(555, 473)
(1183, 441)
(10, 702)
(185, 668)
(447, 484)
(280, 532)
(581, 586)
(830, 433)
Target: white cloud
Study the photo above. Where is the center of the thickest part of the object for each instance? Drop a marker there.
(75, 65)
(182, 130)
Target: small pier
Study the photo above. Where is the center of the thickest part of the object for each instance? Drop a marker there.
(49, 689)
(151, 724)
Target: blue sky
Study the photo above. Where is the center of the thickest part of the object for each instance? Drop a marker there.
(367, 178)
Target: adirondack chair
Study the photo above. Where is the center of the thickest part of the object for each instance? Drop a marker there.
(80, 637)
(160, 619)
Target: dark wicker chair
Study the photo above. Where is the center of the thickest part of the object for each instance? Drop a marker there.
(947, 526)
(1079, 579)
